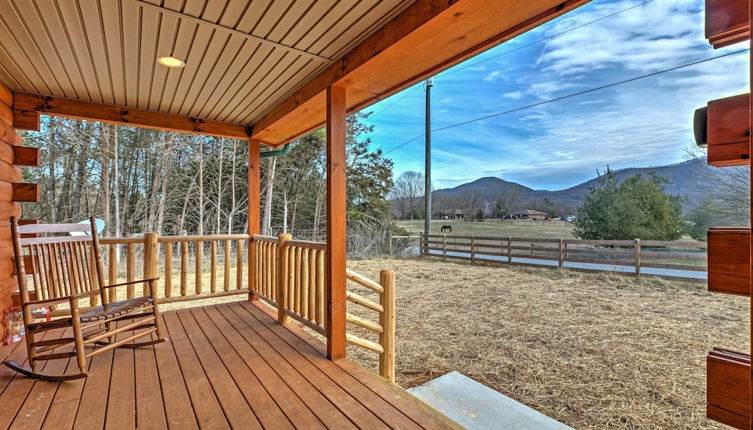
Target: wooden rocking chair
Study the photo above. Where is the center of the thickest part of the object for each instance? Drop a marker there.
(61, 274)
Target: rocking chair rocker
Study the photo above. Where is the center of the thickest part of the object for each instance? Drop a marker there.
(61, 274)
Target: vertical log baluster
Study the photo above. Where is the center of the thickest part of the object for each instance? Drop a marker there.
(199, 260)
(183, 268)
(304, 292)
(130, 263)
(239, 266)
(112, 271)
(226, 273)
(213, 266)
(168, 269)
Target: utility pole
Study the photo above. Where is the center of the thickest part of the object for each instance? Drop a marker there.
(427, 156)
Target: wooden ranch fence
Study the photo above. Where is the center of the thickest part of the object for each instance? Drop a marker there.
(590, 255)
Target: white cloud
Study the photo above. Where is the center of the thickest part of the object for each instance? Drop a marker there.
(493, 76)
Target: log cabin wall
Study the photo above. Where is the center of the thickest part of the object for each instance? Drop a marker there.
(727, 135)
(12, 191)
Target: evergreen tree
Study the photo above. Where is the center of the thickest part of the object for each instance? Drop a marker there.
(638, 207)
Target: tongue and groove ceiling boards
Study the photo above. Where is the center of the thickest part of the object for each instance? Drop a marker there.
(242, 56)
(253, 68)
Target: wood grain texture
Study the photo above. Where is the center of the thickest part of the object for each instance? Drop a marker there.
(25, 156)
(729, 261)
(727, 22)
(336, 223)
(228, 363)
(26, 102)
(254, 199)
(728, 387)
(728, 129)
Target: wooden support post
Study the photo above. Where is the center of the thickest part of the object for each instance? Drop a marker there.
(562, 254)
(387, 321)
(444, 246)
(254, 175)
(509, 250)
(637, 257)
(150, 259)
(282, 277)
(336, 223)
(473, 249)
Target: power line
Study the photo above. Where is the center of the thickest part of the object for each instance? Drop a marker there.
(543, 39)
(397, 101)
(579, 93)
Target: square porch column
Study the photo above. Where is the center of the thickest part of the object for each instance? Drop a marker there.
(336, 223)
(254, 177)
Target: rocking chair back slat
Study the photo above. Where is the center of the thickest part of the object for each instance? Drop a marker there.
(61, 264)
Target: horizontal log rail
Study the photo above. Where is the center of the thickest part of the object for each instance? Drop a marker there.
(290, 276)
(635, 254)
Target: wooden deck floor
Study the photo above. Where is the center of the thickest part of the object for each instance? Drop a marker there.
(224, 366)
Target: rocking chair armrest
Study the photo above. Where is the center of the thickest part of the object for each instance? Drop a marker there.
(130, 282)
(64, 299)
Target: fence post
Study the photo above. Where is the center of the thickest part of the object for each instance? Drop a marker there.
(637, 257)
(421, 244)
(444, 246)
(282, 277)
(387, 321)
(562, 254)
(473, 249)
(150, 258)
(509, 250)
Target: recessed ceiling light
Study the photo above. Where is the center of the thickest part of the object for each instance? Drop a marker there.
(171, 62)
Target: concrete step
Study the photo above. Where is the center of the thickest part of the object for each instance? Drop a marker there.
(476, 406)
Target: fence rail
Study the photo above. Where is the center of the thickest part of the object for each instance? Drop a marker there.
(677, 259)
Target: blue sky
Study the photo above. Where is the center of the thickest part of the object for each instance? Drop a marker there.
(560, 144)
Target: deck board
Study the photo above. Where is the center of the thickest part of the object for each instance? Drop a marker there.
(224, 366)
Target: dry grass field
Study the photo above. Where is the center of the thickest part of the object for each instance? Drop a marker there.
(594, 351)
(514, 228)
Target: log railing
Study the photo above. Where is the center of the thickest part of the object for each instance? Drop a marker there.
(290, 275)
(189, 267)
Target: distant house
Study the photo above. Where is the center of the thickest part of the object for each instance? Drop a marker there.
(529, 214)
(449, 214)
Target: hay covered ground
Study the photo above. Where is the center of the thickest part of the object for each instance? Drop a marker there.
(594, 351)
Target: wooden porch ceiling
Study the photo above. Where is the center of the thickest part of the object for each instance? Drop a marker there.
(258, 65)
(224, 366)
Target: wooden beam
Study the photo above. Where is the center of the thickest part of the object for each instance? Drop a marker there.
(254, 177)
(728, 260)
(26, 156)
(376, 68)
(727, 129)
(25, 102)
(23, 192)
(336, 223)
(25, 120)
(727, 22)
(728, 387)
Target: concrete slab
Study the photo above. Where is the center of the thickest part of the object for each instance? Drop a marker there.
(476, 406)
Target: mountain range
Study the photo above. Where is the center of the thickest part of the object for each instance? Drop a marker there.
(686, 179)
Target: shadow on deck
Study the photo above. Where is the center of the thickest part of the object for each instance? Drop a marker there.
(224, 366)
